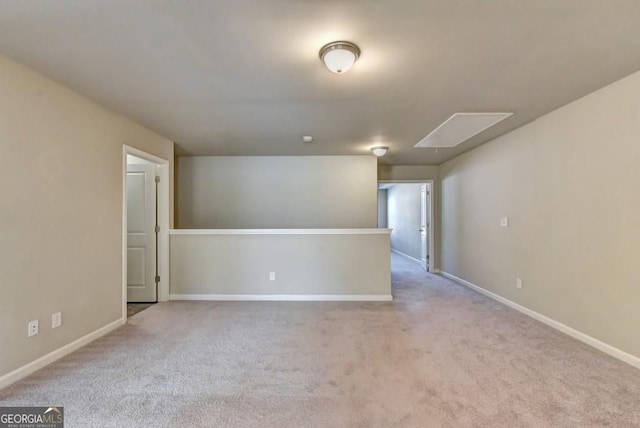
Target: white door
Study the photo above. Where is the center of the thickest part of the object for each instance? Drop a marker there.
(424, 227)
(141, 233)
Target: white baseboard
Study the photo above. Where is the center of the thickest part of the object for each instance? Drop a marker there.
(41, 362)
(591, 341)
(286, 297)
(400, 253)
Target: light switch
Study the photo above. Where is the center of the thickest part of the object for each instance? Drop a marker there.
(504, 222)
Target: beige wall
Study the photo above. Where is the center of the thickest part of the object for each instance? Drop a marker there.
(419, 173)
(408, 172)
(61, 212)
(570, 185)
(305, 264)
(277, 192)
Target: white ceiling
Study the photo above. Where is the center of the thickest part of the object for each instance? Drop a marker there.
(242, 77)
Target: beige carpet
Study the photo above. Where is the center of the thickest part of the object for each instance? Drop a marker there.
(134, 308)
(438, 356)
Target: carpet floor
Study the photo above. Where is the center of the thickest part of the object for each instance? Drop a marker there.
(439, 355)
(134, 308)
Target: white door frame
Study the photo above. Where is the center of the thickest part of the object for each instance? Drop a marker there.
(163, 222)
(425, 227)
(430, 219)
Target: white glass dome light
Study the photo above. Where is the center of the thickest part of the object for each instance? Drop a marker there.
(339, 56)
(379, 150)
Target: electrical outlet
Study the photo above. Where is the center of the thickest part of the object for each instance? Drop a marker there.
(272, 276)
(33, 328)
(518, 283)
(56, 320)
(504, 222)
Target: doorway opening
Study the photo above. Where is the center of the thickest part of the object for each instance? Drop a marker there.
(145, 219)
(406, 207)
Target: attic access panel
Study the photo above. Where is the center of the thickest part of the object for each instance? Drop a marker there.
(459, 128)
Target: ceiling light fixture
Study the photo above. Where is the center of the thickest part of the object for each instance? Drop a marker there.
(379, 150)
(339, 56)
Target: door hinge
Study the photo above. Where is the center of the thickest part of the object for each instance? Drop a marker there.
(157, 229)
(157, 278)
(157, 179)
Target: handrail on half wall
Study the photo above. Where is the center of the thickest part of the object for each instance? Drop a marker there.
(363, 231)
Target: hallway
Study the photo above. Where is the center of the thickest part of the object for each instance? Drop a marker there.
(438, 355)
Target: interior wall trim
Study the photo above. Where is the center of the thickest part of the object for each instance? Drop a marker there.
(286, 297)
(49, 358)
(582, 337)
(279, 231)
